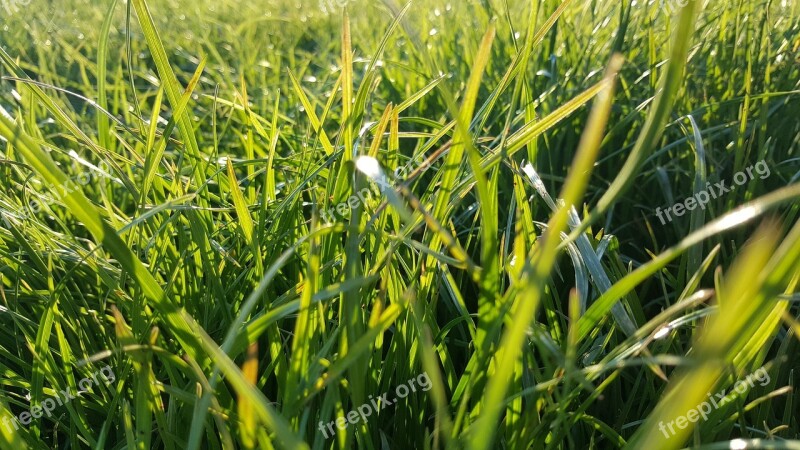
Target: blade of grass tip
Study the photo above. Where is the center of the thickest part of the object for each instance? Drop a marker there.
(152, 155)
(697, 218)
(347, 89)
(520, 62)
(102, 120)
(587, 253)
(538, 271)
(659, 114)
(367, 82)
(270, 188)
(312, 116)
(171, 85)
(532, 130)
(487, 192)
(414, 98)
(379, 131)
(694, 281)
(155, 152)
(245, 221)
(129, 53)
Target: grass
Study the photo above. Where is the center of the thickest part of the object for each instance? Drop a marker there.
(165, 166)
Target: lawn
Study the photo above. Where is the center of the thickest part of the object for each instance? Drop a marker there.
(366, 224)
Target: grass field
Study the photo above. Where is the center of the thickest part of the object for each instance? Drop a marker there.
(333, 224)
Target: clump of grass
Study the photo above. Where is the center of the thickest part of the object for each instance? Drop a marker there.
(516, 260)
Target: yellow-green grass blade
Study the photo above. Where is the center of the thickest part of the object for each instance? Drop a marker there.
(669, 86)
(739, 216)
(269, 188)
(316, 125)
(697, 217)
(518, 66)
(744, 299)
(532, 130)
(245, 221)
(156, 151)
(260, 404)
(62, 118)
(538, 269)
(102, 55)
(305, 330)
(347, 91)
(171, 84)
(90, 217)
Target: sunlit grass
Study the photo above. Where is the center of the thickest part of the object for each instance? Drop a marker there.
(223, 259)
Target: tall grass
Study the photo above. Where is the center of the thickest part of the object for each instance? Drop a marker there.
(514, 152)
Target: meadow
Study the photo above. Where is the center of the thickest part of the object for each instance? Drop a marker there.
(370, 224)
